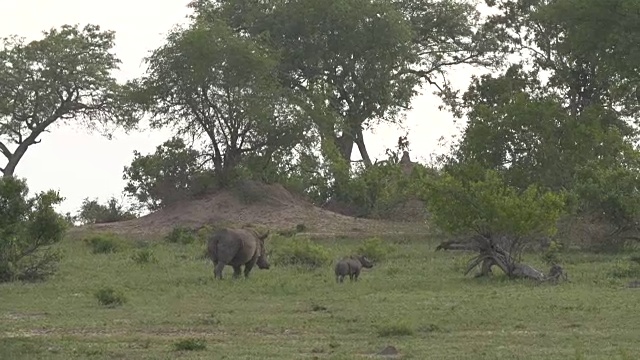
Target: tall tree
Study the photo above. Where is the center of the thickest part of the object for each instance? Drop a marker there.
(566, 117)
(213, 84)
(64, 76)
(586, 108)
(589, 49)
(359, 62)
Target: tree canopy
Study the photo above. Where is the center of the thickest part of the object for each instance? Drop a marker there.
(65, 76)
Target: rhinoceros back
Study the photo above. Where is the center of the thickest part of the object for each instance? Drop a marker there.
(231, 246)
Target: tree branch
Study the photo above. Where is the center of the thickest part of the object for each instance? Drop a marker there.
(5, 151)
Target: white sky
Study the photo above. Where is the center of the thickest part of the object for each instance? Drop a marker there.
(80, 164)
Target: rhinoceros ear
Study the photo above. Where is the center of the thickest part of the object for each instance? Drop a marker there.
(265, 235)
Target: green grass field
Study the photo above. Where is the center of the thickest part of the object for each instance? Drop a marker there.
(416, 300)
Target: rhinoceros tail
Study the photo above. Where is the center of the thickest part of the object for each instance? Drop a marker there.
(213, 246)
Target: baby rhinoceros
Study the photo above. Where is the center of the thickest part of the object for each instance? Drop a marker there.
(351, 266)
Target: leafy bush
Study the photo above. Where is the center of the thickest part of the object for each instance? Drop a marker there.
(488, 205)
(190, 345)
(109, 297)
(104, 243)
(171, 174)
(92, 212)
(144, 256)
(610, 191)
(552, 254)
(181, 235)
(375, 249)
(625, 269)
(28, 229)
(300, 252)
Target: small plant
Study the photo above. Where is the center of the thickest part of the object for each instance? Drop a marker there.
(181, 235)
(375, 249)
(300, 252)
(109, 297)
(552, 254)
(625, 269)
(301, 228)
(397, 329)
(144, 256)
(103, 244)
(204, 233)
(190, 345)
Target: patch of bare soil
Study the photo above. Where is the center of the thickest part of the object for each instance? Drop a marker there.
(258, 204)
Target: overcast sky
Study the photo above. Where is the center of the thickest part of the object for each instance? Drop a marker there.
(79, 164)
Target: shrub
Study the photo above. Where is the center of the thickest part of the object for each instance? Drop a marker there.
(624, 269)
(109, 297)
(181, 235)
(300, 252)
(552, 254)
(170, 174)
(92, 212)
(204, 233)
(375, 249)
(144, 256)
(104, 243)
(29, 227)
(190, 345)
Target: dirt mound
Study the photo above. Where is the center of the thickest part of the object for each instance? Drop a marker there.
(258, 204)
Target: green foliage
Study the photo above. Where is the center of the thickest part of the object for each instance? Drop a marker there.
(109, 297)
(173, 173)
(355, 83)
(104, 243)
(375, 249)
(611, 190)
(490, 206)
(28, 229)
(92, 212)
(625, 269)
(571, 129)
(181, 235)
(299, 251)
(378, 190)
(65, 75)
(552, 254)
(207, 81)
(190, 345)
(144, 256)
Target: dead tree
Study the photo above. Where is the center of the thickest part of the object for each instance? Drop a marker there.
(493, 253)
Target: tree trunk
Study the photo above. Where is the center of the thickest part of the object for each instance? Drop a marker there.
(345, 146)
(14, 159)
(359, 140)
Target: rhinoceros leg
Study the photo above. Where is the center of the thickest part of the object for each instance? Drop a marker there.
(217, 272)
(248, 266)
(356, 274)
(237, 270)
